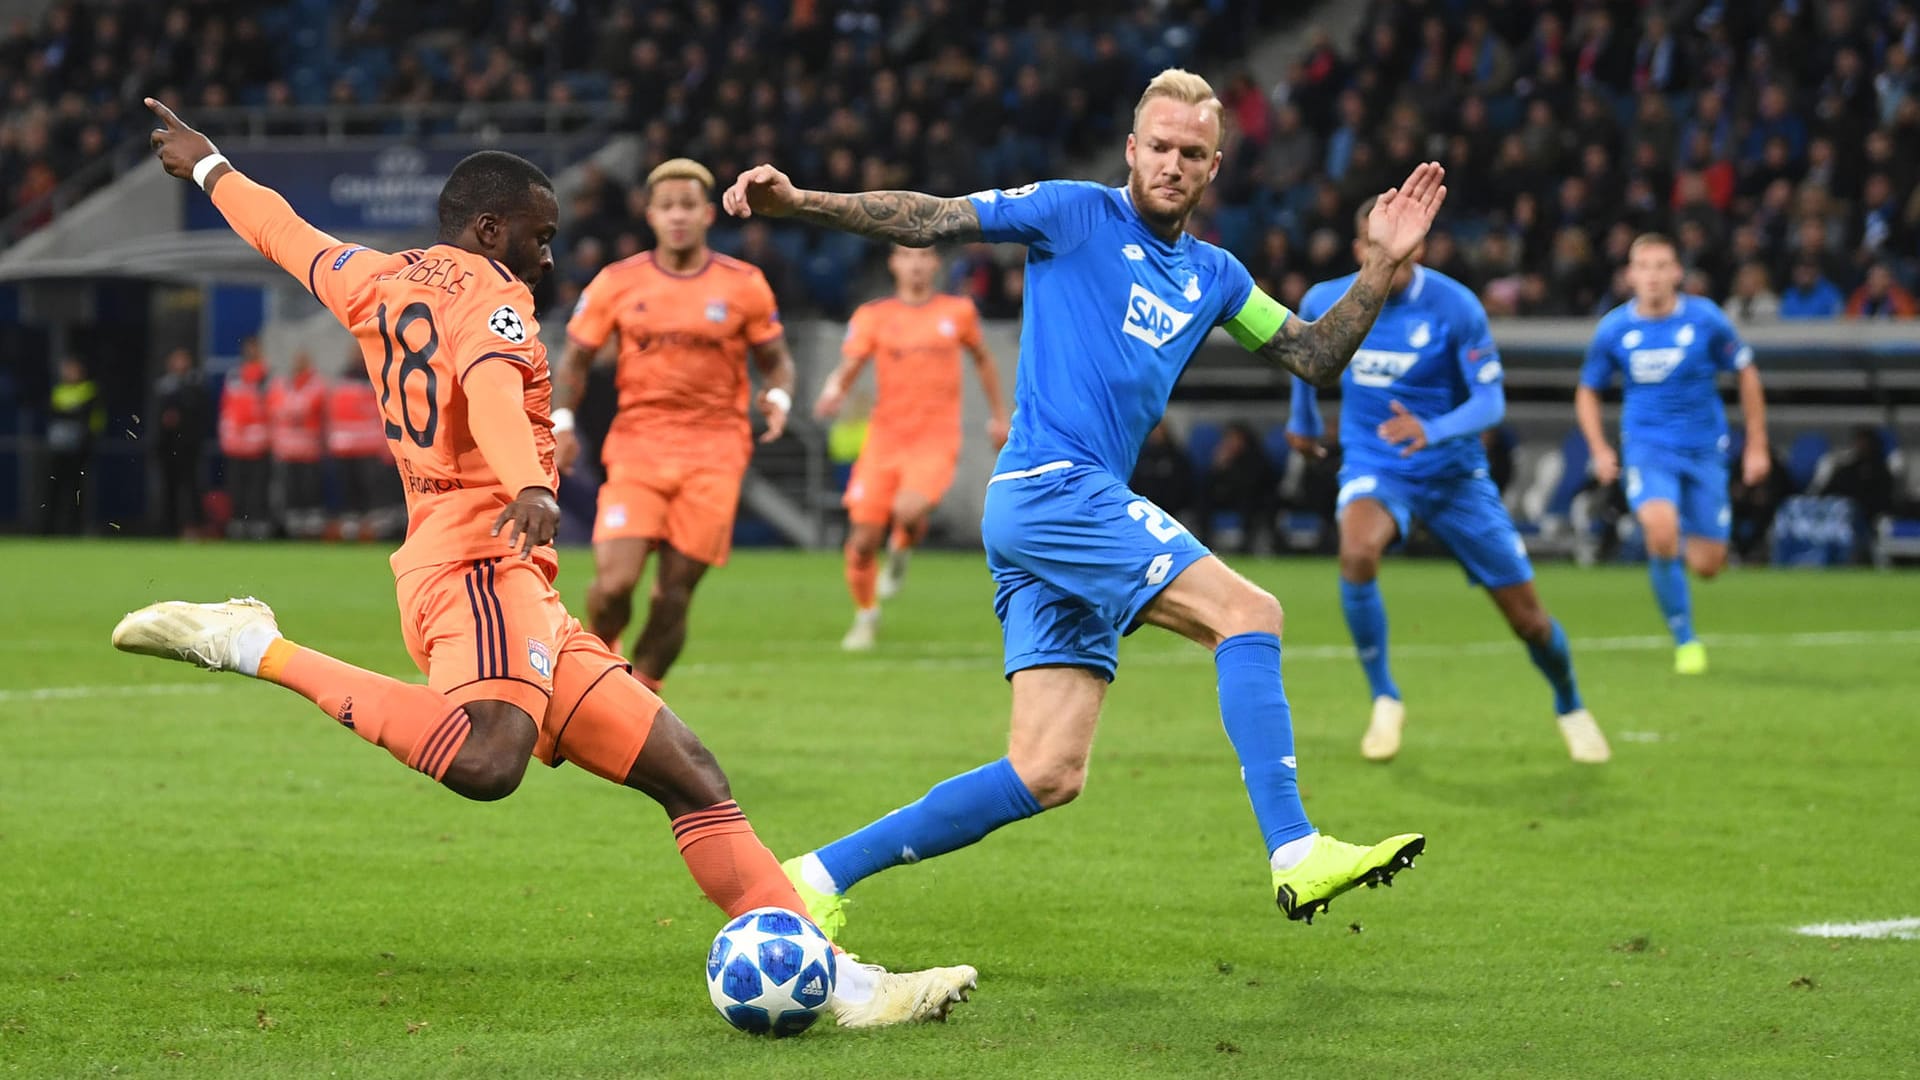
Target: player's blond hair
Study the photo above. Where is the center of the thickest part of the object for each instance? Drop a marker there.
(1183, 86)
(681, 168)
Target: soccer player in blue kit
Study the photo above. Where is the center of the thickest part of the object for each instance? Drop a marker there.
(1118, 298)
(1669, 351)
(1424, 385)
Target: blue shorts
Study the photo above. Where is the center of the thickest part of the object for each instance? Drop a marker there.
(1075, 556)
(1464, 512)
(1695, 483)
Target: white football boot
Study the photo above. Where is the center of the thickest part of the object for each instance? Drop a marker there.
(1382, 740)
(230, 636)
(894, 574)
(1585, 743)
(860, 636)
(901, 997)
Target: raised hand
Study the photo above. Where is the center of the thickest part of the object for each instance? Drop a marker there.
(762, 190)
(1402, 216)
(178, 146)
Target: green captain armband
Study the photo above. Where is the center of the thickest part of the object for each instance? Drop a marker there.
(1257, 320)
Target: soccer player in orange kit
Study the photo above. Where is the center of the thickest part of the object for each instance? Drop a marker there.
(914, 338)
(451, 345)
(688, 318)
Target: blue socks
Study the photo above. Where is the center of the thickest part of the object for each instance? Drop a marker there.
(1670, 590)
(957, 811)
(1555, 661)
(1367, 622)
(1253, 708)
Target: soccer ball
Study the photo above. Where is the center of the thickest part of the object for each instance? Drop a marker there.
(770, 971)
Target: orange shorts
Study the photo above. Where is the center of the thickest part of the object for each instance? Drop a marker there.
(495, 630)
(690, 506)
(880, 475)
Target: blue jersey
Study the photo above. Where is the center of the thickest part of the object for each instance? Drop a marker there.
(1669, 367)
(1111, 315)
(1432, 352)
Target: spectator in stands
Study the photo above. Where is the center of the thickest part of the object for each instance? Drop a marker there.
(180, 408)
(1163, 475)
(245, 443)
(1811, 295)
(1239, 480)
(1753, 300)
(1860, 472)
(1881, 297)
(75, 419)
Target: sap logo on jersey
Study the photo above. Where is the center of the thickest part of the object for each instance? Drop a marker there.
(1152, 319)
(1653, 365)
(1379, 367)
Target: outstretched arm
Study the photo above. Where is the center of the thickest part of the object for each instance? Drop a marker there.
(258, 214)
(903, 217)
(1320, 350)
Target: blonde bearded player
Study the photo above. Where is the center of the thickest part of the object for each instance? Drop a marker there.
(1118, 298)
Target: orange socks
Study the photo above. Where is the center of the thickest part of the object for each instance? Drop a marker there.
(863, 572)
(418, 726)
(729, 862)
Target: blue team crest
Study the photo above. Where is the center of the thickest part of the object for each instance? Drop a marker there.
(716, 311)
(1685, 337)
(1421, 336)
(540, 658)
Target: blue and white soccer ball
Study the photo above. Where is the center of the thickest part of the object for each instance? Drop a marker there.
(770, 971)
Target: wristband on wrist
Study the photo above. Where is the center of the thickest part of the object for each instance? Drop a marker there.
(562, 420)
(206, 165)
(780, 397)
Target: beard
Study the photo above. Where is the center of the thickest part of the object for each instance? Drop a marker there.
(1151, 207)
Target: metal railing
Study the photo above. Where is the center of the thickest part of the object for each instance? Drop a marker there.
(429, 125)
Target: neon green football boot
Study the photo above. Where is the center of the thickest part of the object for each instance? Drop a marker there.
(1690, 659)
(827, 910)
(1332, 868)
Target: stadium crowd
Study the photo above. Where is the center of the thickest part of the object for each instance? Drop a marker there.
(1779, 141)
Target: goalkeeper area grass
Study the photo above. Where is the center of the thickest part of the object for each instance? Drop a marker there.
(202, 876)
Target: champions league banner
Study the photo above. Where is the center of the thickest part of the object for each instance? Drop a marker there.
(346, 191)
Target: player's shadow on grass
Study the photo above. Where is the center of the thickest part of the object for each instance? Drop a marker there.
(1551, 788)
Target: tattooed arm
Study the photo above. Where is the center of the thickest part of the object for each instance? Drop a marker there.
(903, 217)
(1318, 351)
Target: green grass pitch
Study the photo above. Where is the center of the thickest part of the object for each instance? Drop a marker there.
(204, 877)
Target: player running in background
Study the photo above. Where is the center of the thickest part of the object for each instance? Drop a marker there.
(1424, 385)
(1118, 299)
(449, 340)
(687, 318)
(1669, 351)
(914, 338)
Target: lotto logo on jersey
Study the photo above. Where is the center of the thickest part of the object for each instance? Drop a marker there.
(1653, 365)
(1152, 319)
(1380, 367)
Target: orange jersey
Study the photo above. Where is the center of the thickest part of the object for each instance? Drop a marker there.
(916, 358)
(684, 340)
(426, 320)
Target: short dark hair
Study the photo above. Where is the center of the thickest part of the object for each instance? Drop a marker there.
(487, 182)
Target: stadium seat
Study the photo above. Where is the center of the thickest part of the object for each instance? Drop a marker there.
(1202, 439)
(1803, 458)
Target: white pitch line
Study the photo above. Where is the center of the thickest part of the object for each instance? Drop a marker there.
(962, 657)
(72, 693)
(966, 658)
(1901, 929)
